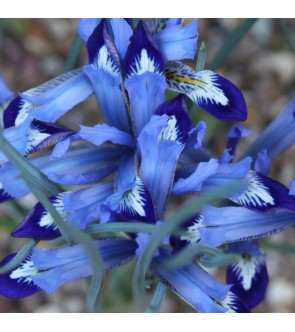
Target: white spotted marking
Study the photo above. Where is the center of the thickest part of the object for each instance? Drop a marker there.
(144, 63)
(170, 132)
(46, 219)
(104, 61)
(133, 201)
(257, 193)
(22, 114)
(192, 234)
(246, 269)
(34, 137)
(24, 272)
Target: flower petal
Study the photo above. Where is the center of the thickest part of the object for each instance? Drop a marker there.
(70, 263)
(178, 42)
(5, 92)
(110, 99)
(192, 284)
(234, 135)
(39, 224)
(54, 98)
(248, 274)
(122, 32)
(82, 206)
(100, 134)
(16, 112)
(229, 224)
(210, 91)
(18, 283)
(264, 193)
(86, 27)
(143, 54)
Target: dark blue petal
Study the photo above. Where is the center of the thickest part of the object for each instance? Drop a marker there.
(264, 193)
(101, 50)
(177, 108)
(100, 134)
(178, 42)
(234, 135)
(210, 91)
(39, 224)
(143, 54)
(16, 112)
(42, 135)
(4, 196)
(18, 283)
(233, 304)
(249, 277)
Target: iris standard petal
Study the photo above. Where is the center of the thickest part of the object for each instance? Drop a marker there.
(86, 27)
(103, 133)
(107, 88)
(212, 92)
(178, 42)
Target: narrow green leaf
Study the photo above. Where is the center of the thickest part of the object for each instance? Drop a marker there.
(201, 58)
(19, 257)
(157, 299)
(231, 42)
(127, 227)
(72, 57)
(218, 260)
(187, 255)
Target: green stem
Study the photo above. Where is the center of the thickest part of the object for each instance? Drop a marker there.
(158, 298)
(72, 57)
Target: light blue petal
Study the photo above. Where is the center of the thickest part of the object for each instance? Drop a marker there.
(62, 147)
(100, 134)
(17, 137)
(5, 92)
(78, 166)
(231, 224)
(194, 182)
(122, 32)
(278, 136)
(262, 163)
(146, 93)
(54, 98)
(109, 96)
(196, 136)
(158, 162)
(178, 42)
(192, 284)
(67, 264)
(86, 26)
(83, 205)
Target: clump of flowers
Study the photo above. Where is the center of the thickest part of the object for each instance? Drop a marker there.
(146, 151)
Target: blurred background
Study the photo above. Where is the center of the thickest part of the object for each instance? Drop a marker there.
(262, 65)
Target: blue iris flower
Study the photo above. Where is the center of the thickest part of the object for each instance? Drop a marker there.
(146, 151)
